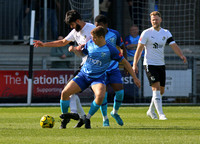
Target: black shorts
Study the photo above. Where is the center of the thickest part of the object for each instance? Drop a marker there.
(155, 74)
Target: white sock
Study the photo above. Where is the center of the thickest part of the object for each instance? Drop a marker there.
(83, 117)
(73, 106)
(79, 107)
(152, 106)
(88, 116)
(158, 102)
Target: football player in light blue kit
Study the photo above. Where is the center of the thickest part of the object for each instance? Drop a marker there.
(93, 71)
(81, 34)
(113, 74)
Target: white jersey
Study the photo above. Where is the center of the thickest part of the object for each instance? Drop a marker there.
(81, 37)
(154, 42)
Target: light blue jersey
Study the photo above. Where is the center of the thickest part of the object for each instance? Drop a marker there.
(131, 40)
(113, 38)
(99, 58)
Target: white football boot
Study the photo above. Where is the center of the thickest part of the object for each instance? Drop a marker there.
(162, 117)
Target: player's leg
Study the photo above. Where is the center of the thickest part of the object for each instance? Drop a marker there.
(99, 89)
(79, 108)
(152, 106)
(158, 100)
(73, 108)
(118, 99)
(73, 98)
(162, 74)
(77, 112)
(75, 105)
(71, 88)
(119, 96)
(76, 85)
(152, 76)
(162, 90)
(103, 109)
(104, 105)
(116, 84)
(151, 112)
(80, 112)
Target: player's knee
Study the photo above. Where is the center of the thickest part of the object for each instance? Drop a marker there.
(99, 99)
(119, 95)
(117, 87)
(162, 90)
(64, 95)
(105, 99)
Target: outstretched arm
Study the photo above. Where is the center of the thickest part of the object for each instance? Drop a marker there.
(57, 43)
(178, 51)
(132, 73)
(137, 56)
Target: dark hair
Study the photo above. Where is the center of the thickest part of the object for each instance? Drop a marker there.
(72, 16)
(99, 31)
(101, 18)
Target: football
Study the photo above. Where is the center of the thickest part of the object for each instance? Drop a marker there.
(47, 121)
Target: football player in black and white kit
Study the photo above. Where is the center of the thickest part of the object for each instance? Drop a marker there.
(153, 40)
(81, 34)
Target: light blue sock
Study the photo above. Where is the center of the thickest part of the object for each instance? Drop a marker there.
(119, 96)
(93, 108)
(104, 105)
(64, 105)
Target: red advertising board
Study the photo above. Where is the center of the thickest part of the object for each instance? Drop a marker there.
(45, 83)
(13, 84)
(48, 84)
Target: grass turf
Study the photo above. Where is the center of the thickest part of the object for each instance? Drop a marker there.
(20, 125)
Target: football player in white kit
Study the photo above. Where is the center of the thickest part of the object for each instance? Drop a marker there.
(81, 34)
(153, 40)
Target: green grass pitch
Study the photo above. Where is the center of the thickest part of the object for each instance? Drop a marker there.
(20, 125)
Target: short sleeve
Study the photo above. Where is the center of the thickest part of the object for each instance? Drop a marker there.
(115, 54)
(70, 36)
(119, 41)
(170, 40)
(143, 38)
